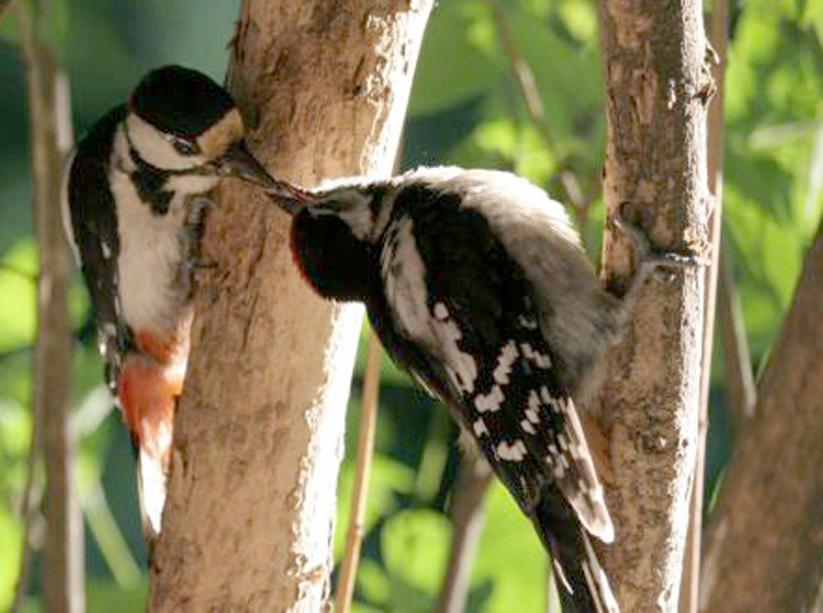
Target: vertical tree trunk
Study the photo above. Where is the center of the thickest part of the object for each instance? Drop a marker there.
(657, 86)
(50, 141)
(764, 547)
(258, 437)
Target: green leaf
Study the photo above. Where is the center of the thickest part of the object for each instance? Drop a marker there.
(813, 16)
(580, 17)
(18, 318)
(415, 546)
(510, 556)
(388, 479)
(450, 70)
(374, 583)
(11, 535)
(104, 597)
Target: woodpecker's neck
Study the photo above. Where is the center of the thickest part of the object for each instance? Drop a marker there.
(158, 188)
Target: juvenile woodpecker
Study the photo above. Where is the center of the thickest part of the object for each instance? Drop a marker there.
(476, 283)
(134, 197)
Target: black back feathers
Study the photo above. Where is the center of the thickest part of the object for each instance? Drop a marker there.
(180, 101)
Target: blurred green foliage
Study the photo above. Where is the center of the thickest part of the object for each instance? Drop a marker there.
(465, 109)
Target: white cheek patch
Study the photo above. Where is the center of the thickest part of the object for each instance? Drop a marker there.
(155, 148)
(358, 213)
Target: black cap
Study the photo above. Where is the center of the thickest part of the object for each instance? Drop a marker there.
(180, 101)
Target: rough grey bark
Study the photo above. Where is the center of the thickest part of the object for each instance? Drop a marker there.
(258, 435)
(657, 85)
(765, 543)
(50, 140)
(690, 584)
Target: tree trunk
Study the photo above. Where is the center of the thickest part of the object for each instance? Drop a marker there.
(258, 434)
(657, 86)
(764, 550)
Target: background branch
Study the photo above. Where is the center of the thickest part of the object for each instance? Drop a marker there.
(365, 449)
(527, 86)
(50, 140)
(741, 392)
(763, 549)
(4, 6)
(467, 520)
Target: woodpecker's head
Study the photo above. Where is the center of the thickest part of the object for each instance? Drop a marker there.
(360, 210)
(333, 232)
(181, 122)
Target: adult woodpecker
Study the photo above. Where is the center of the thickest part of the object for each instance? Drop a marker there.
(134, 197)
(476, 283)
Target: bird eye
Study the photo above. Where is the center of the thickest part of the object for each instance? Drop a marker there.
(185, 147)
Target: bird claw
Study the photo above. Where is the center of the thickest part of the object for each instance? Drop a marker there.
(646, 256)
(198, 263)
(650, 262)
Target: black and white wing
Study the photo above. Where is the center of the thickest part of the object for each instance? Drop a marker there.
(92, 221)
(465, 324)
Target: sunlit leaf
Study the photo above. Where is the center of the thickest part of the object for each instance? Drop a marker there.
(450, 70)
(415, 547)
(511, 556)
(18, 308)
(815, 173)
(580, 18)
(105, 597)
(11, 535)
(373, 582)
(389, 478)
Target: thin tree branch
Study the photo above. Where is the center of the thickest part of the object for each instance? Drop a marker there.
(4, 6)
(527, 86)
(365, 449)
(50, 140)
(741, 391)
(467, 519)
(28, 513)
(690, 584)
(27, 507)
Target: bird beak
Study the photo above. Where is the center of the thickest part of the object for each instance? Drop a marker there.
(240, 163)
(288, 197)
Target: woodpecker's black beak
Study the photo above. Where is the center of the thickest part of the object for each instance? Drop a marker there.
(240, 163)
(288, 197)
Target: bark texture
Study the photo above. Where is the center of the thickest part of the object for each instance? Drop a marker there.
(258, 437)
(690, 585)
(657, 86)
(764, 550)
